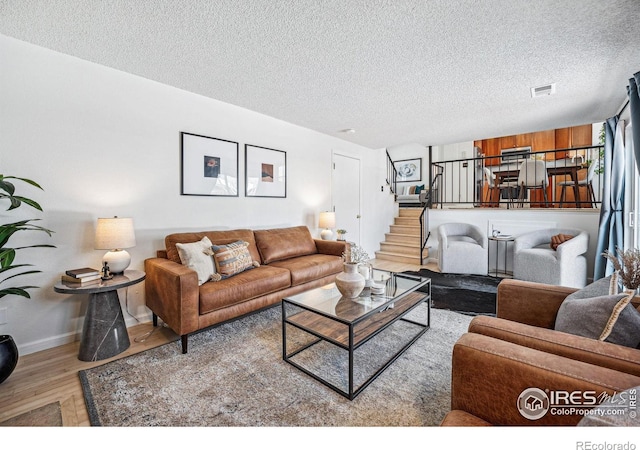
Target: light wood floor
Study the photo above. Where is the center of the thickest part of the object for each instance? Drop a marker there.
(52, 375)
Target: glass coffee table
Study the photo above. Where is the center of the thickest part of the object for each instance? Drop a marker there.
(320, 325)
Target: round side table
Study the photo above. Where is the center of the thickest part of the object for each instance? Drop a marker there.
(498, 239)
(104, 333)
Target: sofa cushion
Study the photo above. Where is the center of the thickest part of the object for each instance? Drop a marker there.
(197, 256)
(597, 311)
(216, 237)
(231, 259)
(283, 243)
(244, 286)
(311, 267)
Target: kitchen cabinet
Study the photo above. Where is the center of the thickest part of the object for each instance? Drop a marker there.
(544, 140)
(507, 142)
(572, 137)
(524, 140)
(539, 141)
(563, 137)
(490, 147)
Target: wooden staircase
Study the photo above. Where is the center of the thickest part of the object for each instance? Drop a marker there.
(402, 243)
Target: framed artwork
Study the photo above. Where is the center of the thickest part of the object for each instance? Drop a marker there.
(209, 166)
(265, 172)
(409, 169)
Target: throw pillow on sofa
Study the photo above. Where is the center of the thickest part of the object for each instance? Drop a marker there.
(232, 259)
(597, 311)
(197, 256)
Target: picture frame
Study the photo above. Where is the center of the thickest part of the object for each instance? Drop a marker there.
(409, 169)
(265, 172)
(209, 166)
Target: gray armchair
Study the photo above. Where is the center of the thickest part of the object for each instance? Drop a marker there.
(535, 260)
(462, 248)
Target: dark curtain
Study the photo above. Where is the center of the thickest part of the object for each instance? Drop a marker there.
(610, 230)
(634, 108)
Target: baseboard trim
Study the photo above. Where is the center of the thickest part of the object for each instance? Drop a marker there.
(67, 338)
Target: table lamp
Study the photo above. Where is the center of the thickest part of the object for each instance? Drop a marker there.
(115, 234)
(327, 221)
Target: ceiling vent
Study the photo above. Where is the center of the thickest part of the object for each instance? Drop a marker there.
(541, 91)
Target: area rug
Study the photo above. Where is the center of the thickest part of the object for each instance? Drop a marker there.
(234, 375)
(466, 294)
(49, 415)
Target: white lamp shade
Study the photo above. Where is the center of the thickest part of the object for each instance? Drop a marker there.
(115, 233)
(327, 219)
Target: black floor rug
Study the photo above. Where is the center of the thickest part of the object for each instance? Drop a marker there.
(466, 294)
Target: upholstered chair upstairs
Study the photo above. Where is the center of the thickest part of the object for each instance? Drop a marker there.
(533, 176)
(535, 259)
(494, 190)
(588, 182)
(462, 248)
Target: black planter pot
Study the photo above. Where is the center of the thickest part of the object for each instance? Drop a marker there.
(8, 356)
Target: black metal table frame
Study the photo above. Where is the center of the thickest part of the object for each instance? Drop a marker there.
(496, 271)
(353, 393)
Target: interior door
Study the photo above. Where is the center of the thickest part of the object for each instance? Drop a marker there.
(345, 194)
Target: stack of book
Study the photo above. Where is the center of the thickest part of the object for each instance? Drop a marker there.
(82, 276)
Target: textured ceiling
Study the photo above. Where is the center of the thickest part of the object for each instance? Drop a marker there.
(396, 71)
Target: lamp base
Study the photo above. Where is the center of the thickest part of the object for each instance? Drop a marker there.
(326, 234)
(117, 260)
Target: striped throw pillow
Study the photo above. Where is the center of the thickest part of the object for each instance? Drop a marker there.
(232, 259)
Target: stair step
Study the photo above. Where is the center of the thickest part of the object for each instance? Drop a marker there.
(402, 238)
(396, 257)
(404, 249)
(409, 212)
(405, 229)
(410, 221)
(402, 242)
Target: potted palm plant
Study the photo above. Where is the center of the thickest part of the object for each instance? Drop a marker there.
(10, 270)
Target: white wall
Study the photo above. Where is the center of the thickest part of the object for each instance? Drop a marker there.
(515, 222)
(102, 143)
(378, 202)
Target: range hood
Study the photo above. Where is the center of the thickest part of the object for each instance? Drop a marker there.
(515, 154)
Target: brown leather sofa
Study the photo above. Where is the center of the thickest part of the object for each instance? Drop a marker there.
(291, 261)
(500, 357)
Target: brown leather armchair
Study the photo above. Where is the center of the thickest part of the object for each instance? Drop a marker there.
(502, 357)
